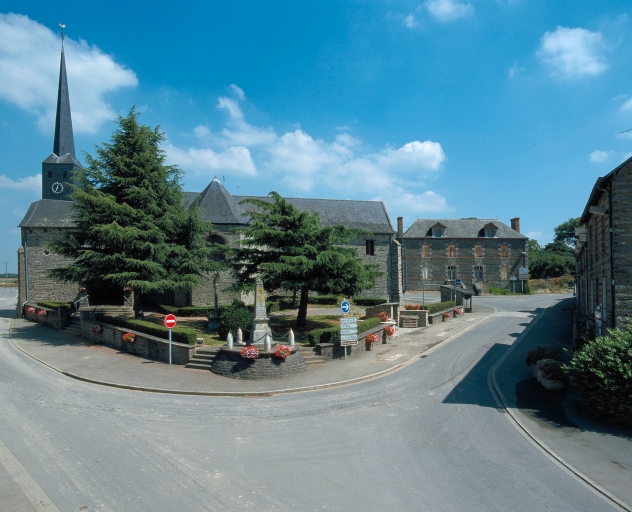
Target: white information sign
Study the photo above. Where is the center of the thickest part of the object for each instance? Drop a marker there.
(348, 331)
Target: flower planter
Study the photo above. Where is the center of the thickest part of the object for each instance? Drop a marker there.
(551, 384)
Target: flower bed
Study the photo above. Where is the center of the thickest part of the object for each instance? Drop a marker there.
(282, 351)
(250, 352)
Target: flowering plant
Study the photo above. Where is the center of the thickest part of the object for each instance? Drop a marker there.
(551, 369)
(372, 338)
(390, 330)
(458, 311)
(412, 307)
(96, 329)
(42, 312)
(446, 314)
(127, 289)
(31, 310)
(282, 351)
(383, 315)
(250, 352)
(129, 337)
(81, 289)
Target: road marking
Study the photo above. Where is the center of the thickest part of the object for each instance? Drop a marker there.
(442, 333)
(394, 357)
(33, 492)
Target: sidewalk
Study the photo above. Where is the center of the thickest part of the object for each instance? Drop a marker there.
(78, 358)
(554, 418)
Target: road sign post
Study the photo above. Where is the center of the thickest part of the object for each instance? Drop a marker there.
(348, 332)
(170, 323)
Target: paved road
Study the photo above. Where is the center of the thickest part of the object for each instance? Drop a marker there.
(427, 438)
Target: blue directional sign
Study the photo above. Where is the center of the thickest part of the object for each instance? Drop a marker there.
(345, 306)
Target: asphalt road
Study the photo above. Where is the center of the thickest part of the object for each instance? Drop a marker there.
(426, 438)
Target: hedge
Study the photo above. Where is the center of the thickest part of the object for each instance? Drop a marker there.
(332, 334)
(368, 301)
(439, 306)
(54, 305)
(186, 335)
(322, 299)
(192, 310)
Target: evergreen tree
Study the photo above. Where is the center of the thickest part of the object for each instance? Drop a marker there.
(289, 250)
(131, 226)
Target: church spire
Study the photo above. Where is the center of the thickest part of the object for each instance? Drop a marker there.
(64, 140)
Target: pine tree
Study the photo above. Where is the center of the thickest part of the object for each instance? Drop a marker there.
(132, 229)
(289, 250)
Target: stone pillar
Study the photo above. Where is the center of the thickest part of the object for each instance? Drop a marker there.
(21, 280)
(260, 324)
(397, 294)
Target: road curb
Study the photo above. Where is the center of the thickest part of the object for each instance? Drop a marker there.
(301, 389)
(538, 443)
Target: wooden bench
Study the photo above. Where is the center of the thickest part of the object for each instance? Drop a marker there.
(409, 321)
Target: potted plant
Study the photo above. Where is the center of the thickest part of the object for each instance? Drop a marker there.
(383, 316)
(370, 340)
(390, 330)
(552, 375)
(96, 329)
(31, 310)
(249, 352)
(42, 312)
(129, 337)
(538, 353)
(282, 352)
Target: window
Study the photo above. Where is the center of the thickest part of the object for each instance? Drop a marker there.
(370, 247)
(504, 272)
(490, 232)
(425, 251)
(478, 273)
(217, 254)
(504, 251)
(425, 272)
(478, 251)
(437, 232)
(65, 174)
(451, 251)
(50, 174)
(451, 273)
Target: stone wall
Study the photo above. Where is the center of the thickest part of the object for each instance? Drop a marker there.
(52, 318)
(146, 346)
(622, 245)
(39, 261)
(229, 363)
(465, 261)
(329, 351)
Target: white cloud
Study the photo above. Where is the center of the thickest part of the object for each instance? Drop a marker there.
(30, 183)
(448, 10)
(428, 202)
(515, 70)
(410, 21)
(412, 156)
(239, 132)
(29, 66)
(599, 157)
(627, 106)
(573, 52)
(534, 234)
(238, 91)
(206, 161)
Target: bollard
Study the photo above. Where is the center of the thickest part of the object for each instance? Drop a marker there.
(240, 336)
(290, 337)
(229, 340)
(268, 342)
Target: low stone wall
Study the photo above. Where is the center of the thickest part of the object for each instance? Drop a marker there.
(330, 351)
(144, 345)
(391, 308)
(52, 318)
(421, 314)
(437, 317)
(229, 363)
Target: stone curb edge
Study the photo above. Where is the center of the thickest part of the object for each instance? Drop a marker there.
(542, 447)
(315, 387)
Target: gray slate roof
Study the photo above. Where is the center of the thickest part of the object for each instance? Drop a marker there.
(218, 206)
(64, 140)
(48, 213)
(367, 215)
(460, 228)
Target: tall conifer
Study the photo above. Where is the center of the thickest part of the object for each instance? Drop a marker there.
(132, 228)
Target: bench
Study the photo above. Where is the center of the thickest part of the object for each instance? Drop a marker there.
(409, 321)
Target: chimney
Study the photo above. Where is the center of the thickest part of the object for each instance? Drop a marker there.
(515, 224)
(400, 226)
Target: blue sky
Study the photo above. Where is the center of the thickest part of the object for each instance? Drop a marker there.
(442, 108)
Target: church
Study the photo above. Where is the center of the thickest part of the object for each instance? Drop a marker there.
(50, 218)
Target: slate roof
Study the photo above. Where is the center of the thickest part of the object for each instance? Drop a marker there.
(460, 228)
(48, 213)
(367, 215)
(218, 206)
(64, 140)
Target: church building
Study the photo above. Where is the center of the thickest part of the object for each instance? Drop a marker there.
(50, 218)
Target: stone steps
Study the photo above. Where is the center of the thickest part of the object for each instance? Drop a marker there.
(202, 358)
(310, 356)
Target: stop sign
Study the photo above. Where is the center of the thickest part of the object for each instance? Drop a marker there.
(170, 321)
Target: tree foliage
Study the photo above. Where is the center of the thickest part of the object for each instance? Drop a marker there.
(565, 232)
(289, 250)
(131, 226)
(557, 258)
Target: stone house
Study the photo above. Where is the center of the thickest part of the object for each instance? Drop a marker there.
(51, 218)
(604, 254)
(480, 252)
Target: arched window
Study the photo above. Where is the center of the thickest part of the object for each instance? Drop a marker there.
(214, 241)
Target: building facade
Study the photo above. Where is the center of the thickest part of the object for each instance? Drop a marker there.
(604, 254)
(479, 252)
(50, 218)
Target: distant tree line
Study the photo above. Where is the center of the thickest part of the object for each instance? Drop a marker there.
(557, 258)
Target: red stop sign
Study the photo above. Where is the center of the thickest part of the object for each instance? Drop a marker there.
(170, 321)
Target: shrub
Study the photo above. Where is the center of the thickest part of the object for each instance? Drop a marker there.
(539, 352)
(493, 290)
(527, 288)
(186, 335)
(602, 370)
(332, 334)
(234, 316)
(439, 306)
(551, 369)
(367, 324)
(54, 304)
(192, 310)
(322, 299)
(274, 306)
(368, 301)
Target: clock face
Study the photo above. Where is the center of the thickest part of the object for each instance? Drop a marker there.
(57, 188)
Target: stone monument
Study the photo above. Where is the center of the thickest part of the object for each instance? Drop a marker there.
(260, 324)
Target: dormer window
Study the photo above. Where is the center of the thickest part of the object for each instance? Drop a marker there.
(436, 231)
(489, 231)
